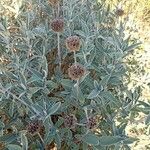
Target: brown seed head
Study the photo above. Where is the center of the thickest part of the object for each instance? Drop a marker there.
(76, 141)
(92, 123)
(73, 43)
(57, 25)
(70, 121)
(33, 127)
(76, 71)
(119, 12)
(53, 2)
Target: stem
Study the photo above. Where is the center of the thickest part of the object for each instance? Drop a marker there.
(63, 8)
(17, 98)
(77, 87)
(75, 59)
(53, 12)
(82, 2)
(41, 138)
(58, 8)
(86, 114)
(58, 47)
(14, 96)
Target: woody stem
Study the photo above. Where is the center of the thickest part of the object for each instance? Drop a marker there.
(58, 47)
(75, 59)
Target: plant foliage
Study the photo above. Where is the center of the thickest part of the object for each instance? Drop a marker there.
(89, 113)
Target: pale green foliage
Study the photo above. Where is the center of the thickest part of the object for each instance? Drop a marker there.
(29, 88)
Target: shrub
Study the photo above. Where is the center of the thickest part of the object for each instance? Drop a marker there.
(41, 106)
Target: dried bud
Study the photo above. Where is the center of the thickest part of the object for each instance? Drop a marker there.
(73, 43)
(57, 25)
(33, 127)
(70, 121)
(119, 12)
(53, 2)
(91, 123)
(51, 146)
(76, 141)
(76, 71)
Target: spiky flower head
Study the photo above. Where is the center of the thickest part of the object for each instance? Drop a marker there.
(91, 123)
(33, 127)
(119, 12)
(70, 121)
(57, 25)
(76, 71)
(73, 43)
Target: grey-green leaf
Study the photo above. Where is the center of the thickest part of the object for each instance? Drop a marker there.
(147, 121)
(91, 139)
(24, 141)
(110, 140)
(130, 140)
(14, 147)
(93, 94)
(53, 109)
(8, 138)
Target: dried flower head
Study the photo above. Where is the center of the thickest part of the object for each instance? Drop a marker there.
(53, 2)
(119, 12)
(91, 123)
(33, 127)
(70, 121)
(76, 71)
(76, 141)
(73, 43)
(57, 25)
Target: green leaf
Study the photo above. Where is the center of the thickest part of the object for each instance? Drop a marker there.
(147, 121)
(11, 108)
(110, 98)
(33, 90)
(93, 94)
(8, 138)
(85, 28)
(66, 82)
(58, 140)
(99, 147)
(2, 125)
(80, 32)
(126, 147)
(105, 80)
(133, 46)
(91, 139)
(22, 80)
(11, 75)
(53, 109)
(77, 93)
(110, 140)
(96, 84)
(129, 140)
(45, 66)
(40, 30)
(2, 28)
(13, 147)
(37, 73)
(24, 141)
(59, 122)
